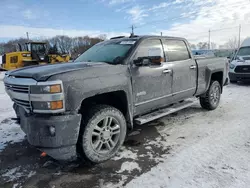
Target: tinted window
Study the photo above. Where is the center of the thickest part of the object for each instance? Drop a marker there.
(38, 48)
(176, 50)
(151, 47)
(14, 59)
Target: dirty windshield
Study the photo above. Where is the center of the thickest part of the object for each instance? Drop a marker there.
(106, 52)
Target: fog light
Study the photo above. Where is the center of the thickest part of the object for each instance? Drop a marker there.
(52, 130)
(54, 105)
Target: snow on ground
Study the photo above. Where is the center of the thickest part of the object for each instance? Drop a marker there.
(215, 148)
(9, 130)
(125, 154)
(13, 174)
(129, 167)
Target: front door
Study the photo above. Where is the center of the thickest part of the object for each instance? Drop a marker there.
(151, 83)
(184, 69)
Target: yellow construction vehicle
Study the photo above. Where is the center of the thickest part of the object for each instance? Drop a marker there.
(32, 53)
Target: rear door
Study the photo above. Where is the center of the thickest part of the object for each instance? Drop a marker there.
(184, 68)
(152, 84)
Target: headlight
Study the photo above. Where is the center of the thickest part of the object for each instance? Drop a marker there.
(52, 105)
(231, 66)
(46, 89)
(26, 55)
(47, 97)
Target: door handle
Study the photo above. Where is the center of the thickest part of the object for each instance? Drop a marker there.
(166, 71)
(192, 67)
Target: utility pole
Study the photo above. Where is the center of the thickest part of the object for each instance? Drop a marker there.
(132, 29)
(27, 33)
(239, 35)
(209, 39)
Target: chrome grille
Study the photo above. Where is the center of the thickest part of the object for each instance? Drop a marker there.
(23, 103)
(246, 58)
(23, 90)
(17, 88)
(242, 69)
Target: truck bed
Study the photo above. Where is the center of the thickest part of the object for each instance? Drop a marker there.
(206, 66)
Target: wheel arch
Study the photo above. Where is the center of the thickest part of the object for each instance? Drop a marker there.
(117, 99)
(215, 75)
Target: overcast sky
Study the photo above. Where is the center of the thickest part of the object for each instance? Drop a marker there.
(186, 18)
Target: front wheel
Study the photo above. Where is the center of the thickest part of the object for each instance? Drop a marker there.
(211, 99)
(103, 132)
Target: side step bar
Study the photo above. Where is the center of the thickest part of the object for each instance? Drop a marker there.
(165, 111)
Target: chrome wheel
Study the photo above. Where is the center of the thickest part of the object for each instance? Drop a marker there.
(105, 135)
(215, 95)
(211, 99)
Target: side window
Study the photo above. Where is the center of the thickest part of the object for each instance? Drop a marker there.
(176, 50)
(149, 48)
(13, 59)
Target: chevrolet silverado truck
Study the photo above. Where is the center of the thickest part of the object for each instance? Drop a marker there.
(83, 109)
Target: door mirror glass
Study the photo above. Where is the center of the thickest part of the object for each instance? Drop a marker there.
(142, 61)
(146, 61)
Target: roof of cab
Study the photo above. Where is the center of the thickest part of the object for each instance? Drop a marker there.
(121, 38)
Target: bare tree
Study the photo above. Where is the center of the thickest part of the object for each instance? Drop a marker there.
(81, 44)
(202, 45)
(1, 48)
(58, 44)
(63, 43)
(102, 37)
(232, 43)
(193, 46)
(12, 45)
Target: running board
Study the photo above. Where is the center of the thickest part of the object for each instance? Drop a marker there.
(165, 111)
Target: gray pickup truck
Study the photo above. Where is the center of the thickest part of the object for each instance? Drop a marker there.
(83, 109)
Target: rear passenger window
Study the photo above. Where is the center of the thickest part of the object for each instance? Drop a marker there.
(176, 50)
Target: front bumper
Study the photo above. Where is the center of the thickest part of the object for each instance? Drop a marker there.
(239, 76)
(62, 144)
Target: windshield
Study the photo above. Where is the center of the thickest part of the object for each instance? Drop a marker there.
(38, 48)
(244, 51)
(106, 52)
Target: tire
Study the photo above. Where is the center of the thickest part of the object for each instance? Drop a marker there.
(99, 138)
(211, 99)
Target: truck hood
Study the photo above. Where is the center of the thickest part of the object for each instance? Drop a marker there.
(243, 61)
(42, 73)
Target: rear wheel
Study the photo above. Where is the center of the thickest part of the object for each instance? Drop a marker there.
(103, 132)
(212, 97)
